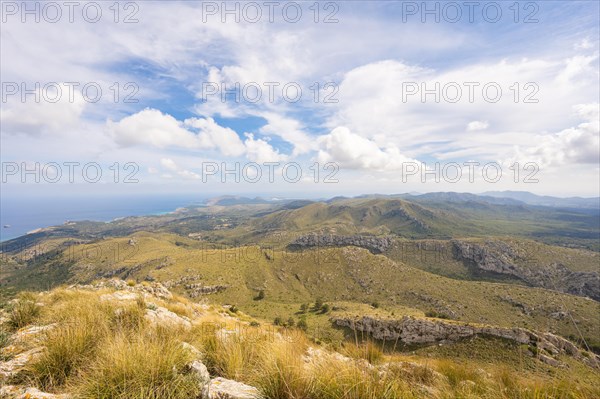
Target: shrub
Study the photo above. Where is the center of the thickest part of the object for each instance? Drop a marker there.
(150, 365)
(367, 350)
(291, 322)
(302, 324)
(278, 321)
(303, 308)
(280, 372)
(325, 308)
(24, 311)
(130, 318)
(67, 348)
(260, 296)
(436, 314)
(318, 304)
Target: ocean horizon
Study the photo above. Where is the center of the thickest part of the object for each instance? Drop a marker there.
(22, 215)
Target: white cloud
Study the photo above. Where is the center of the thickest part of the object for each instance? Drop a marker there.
(353, 151)
(575, 145)
(171, 166)
(50, 110)
(290, 130)
(477, 125)
(372, 104)
(260, 151)
(212, 135)
(150, 126)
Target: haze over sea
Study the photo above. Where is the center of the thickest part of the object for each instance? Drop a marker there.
(30, 213)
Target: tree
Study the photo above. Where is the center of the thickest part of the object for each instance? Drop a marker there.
(302, 324)
(325, 308)
(291, 322)
(318, 304)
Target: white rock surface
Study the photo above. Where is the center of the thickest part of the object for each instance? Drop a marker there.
(14, 392)
(163, 316)
(221, 388)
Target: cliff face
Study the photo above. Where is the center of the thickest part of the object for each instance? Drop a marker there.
(500, 258)
(374, 244)
(410, 330)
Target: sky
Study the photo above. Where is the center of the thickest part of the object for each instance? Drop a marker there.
(299, 99)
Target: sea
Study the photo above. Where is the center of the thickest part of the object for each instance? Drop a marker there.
(20, 215)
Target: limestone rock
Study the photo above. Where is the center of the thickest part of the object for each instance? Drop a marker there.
(500, 257)
(411, 330)
(221, 388)
(163, 316)
(14, 392)
(16, 364)
(199, 370)
(373, 244)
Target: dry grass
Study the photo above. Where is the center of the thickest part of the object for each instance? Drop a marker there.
(148, 365)
(23, 311)
(103, 349)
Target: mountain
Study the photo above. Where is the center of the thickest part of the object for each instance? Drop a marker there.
(227, 200)
(450, 280)
(533, 199)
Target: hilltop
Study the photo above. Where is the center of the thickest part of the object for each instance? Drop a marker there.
(117, 339)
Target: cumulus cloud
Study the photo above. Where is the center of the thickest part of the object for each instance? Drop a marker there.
(353, 151)
(258, 150)
(289, 130)
(212, 135)
(575, 145)
(150, 126)
(378, 104)
(154, 128)
(49, 110)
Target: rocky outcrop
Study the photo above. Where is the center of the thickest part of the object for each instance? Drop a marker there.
(145, 289)
(221, 388)
(195, 290)
(500, 257)
(374, 244)
(159, 316)
(13, 366)
(411, 330)
(15, 392)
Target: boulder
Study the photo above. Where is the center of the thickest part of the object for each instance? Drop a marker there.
(221, 388)
(163, 316)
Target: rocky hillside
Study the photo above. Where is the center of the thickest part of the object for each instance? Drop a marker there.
(374, 244)
(117, 339)
(26, 349)
(410, 330)
(499, 257)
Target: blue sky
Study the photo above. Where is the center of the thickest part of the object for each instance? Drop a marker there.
(371, 56)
